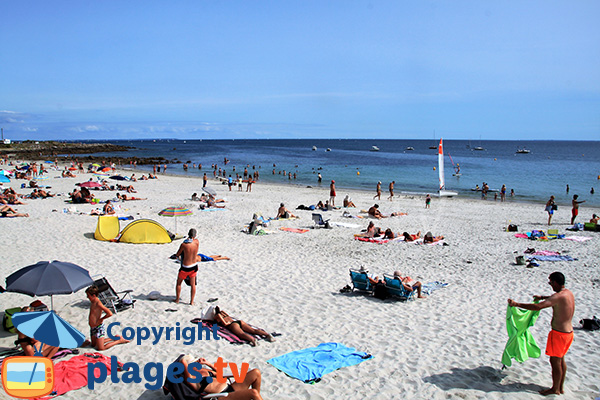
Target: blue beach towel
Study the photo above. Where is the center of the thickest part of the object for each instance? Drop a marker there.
(551, 258)
(309, 365)
(431, 286)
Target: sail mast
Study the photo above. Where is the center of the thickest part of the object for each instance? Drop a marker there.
(441, 166)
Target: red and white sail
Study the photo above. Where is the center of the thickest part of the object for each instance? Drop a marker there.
(441, 166)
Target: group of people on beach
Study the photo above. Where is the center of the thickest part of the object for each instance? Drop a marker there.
(551, 207)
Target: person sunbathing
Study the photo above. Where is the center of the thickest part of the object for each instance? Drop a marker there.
(14, 199)
(348, 202)
(108, 208)
(594, 219)
(249, 389)
(283, 212)
(202, 258)
(240, 328)
(43, 194)
(212, 202)
(374, 212)
(411, 238)
(123, 197)
(429, 238)
(9, 212)
(30, 345)
(409, 284)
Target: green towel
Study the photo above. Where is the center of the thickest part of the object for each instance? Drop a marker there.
(521, 345)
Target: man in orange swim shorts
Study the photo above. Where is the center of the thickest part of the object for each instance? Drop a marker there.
(189, 266)
(561, 335)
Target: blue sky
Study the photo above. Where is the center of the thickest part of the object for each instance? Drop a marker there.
(300, 69)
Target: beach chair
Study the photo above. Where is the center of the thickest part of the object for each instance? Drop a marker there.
(318, 220)
(395, 288)
(111, 299)
(360, 280)
(182, 391)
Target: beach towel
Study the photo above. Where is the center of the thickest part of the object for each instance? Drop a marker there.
(551, 258)
(295, 230)
(429, 287)
(579, 239)
(378, 240)
(521, 345)
(345, 225)
(71, 374)
(309, 365)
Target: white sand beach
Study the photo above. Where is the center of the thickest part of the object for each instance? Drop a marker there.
(446, 346)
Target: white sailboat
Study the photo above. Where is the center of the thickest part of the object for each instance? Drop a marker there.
(442, 191)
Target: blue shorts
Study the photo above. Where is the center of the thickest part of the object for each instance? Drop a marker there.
(205, 258)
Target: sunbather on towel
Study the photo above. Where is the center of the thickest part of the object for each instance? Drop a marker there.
(240, 328)
(410, 238)
(201, 258)
(429, 238)
(408, 283)
(594, 219)
(30, 345)
(8, 211)
(284, 212)
(372, 231)
(249, 389)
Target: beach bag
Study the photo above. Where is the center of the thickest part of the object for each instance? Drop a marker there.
(7, 324)
(521, 260)
(513, 228)
(380, 291)
(590, 324)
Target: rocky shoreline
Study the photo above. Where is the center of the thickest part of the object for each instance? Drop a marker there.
(50, 150)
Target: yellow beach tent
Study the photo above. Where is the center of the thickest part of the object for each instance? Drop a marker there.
(145, 231)
(107, 228)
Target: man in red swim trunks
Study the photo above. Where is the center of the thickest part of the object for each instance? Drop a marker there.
(189, 266)
(561, 335)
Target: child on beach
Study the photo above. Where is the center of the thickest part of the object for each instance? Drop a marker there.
(427, 201)
(96, 319)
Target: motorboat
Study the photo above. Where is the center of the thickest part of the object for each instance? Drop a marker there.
(478, 148)
(409, 148)
(328, 149)
(314, 148)
(523, 151)
(374, 148)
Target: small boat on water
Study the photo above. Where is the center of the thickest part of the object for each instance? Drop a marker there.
(409, 148)
(443, 192)
(328, 149)
(478, 148)
(523, 151)
(314, 148)
(374, 148)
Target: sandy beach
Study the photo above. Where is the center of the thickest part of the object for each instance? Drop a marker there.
(446, 346)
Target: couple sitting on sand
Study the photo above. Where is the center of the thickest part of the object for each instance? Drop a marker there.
(406, 281)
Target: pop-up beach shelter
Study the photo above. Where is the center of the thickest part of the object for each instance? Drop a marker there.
(145, 231)
(108, 228)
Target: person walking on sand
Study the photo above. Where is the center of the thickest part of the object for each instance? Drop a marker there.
(96, 321)
(550, 208)
(391, 188)
(561, 335)
(189, 266)
(428, 201)
(575, 209)
(378, 195)
(332, 193)
(204, 180)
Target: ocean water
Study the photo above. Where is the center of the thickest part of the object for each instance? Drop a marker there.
(545, 171)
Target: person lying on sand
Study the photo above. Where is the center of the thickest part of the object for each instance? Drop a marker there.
(8, 211)
(429, 238)
(123, 197)
(240, 328)
(283, 212)
(410, 238)
(408, 283)
(201, 258)
(249, 389)
(212, 202)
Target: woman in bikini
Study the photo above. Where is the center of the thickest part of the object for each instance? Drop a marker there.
(240, 328)
(249, 389)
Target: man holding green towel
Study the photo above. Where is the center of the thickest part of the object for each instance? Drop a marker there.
(561, 335)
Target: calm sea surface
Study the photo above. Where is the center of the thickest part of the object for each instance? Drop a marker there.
(545, 171)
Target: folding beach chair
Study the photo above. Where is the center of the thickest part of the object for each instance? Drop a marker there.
(395, 288)
(116, 301)
(182, 391)
(318, 220)
(360, 280)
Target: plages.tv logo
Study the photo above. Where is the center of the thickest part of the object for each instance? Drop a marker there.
(27, 377)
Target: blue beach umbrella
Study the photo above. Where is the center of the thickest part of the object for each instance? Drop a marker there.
(48, 328)
(47, 278)
(4, 178)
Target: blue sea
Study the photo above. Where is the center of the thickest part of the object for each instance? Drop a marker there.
(546, 170)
